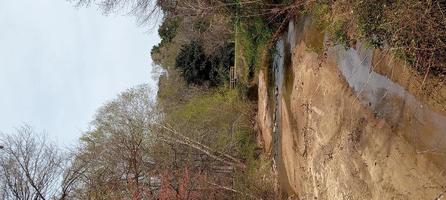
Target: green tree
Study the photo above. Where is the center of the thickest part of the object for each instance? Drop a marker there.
(117, 149)
(198, 68)
(168, 29)
(193, 64)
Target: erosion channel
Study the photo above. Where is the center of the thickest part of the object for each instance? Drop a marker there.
(350, 123)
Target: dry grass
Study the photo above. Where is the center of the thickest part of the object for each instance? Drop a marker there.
(414, 30)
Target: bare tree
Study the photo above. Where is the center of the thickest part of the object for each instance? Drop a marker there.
(73, 172)
(144, 10)
(29, 166)
(171, 136)
(114, 159)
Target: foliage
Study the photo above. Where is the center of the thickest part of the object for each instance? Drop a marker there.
(193, 64)
(221, 118)
(220, 62)
(217, 116)
(254, 39)
(258, 180)
(198, 68)
(320, 13)
(371, 19)
(116, 152)
(168, 29)
(415, 30)
(339, 32)
(337, 28)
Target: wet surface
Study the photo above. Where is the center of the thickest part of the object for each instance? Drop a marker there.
(342, 130)
(390, 101)
(278, 82)
(281, 72)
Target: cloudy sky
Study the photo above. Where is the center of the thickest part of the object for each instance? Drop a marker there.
(58, 64)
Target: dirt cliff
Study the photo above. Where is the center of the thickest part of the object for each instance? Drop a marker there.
(355, 123)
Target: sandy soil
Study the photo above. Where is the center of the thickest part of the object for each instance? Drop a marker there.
(333, 147)
(429, 89)
(264, 118)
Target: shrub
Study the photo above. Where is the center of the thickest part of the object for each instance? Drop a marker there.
(418, 30)
(198, 68)
(193, 64)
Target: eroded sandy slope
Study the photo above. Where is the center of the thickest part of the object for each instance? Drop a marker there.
(335, 145)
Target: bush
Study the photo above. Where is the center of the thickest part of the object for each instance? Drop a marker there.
(370, 20)
(168, 29)
(254, 38)
(418, 30)
(193, 64)
(414, 29)
(198, 68)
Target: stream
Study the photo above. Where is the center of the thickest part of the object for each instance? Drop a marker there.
(282, 60)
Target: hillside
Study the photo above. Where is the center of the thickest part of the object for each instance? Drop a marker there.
(263, 99)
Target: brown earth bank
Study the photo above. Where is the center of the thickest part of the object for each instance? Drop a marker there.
(336, 143)
(264, 117)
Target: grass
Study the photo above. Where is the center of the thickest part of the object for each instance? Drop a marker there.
(226, 115)
(415, 30)
(257, 181)
(324, 21)
(253, 39)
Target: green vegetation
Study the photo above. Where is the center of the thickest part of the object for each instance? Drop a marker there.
(195, 99)
(336, 27)
(197, 141)
(193, 64)
(339, 31)
(254, 38)
(259, 173)
(197, 68)
(229, 131)
(414, 30)
(222, 116)
(370, 21)
(222, 119)
(167, 32)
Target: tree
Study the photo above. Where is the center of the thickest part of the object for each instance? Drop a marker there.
(116, 152)
(198, 68)
(29, 166)
(168, 29)
(193, 64)
(73, 171)
(144, 10)
(209, 134)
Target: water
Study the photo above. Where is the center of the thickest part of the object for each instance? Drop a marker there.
(281, 62)
(278, 83)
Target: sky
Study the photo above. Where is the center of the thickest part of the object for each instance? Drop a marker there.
(59, 64)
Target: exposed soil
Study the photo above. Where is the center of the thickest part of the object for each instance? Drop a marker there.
(336, 145)
(430, 89)
(264, 117)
